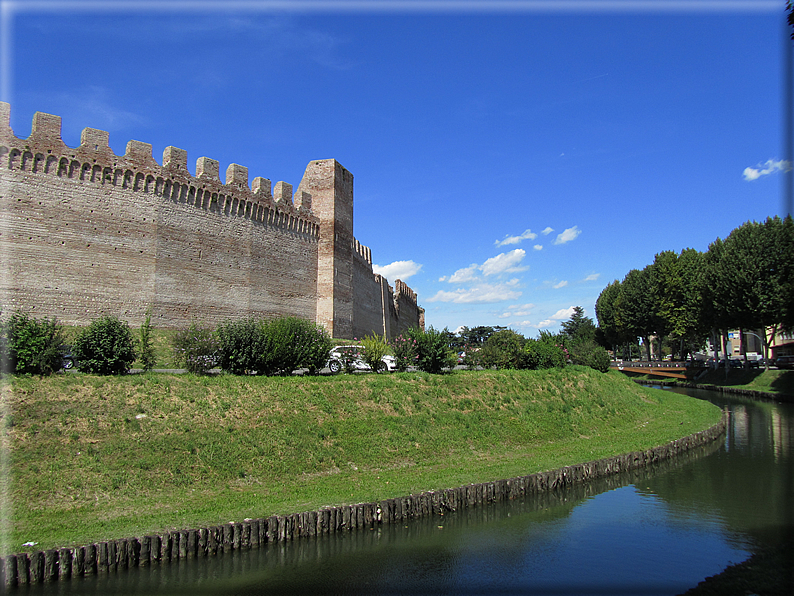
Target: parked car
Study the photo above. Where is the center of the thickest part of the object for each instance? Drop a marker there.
(355, 356)
(67, 360)
(785, 361)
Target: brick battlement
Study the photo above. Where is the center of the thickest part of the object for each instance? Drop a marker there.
(87, 232)
(362, 251)
(45, 153)
(402, 289)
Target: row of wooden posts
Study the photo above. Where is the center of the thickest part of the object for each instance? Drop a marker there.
(171, 546)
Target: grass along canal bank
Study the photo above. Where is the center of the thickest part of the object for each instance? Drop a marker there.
(768, 384)
(99, 458)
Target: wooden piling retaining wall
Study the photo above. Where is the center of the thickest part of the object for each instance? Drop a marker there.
(156, 549)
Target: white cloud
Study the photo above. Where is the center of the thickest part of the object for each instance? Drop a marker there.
(563, 313)
(518, 310)
(547, 231)
(568, 235)
(765, 169)
(463, 275)
(592, 277)
(559, 285)
(522, 324)
(479, 294)
(401, 270)
(538, 247)
(527, 235)
(507, 262)
(528, 305)
(544, 323)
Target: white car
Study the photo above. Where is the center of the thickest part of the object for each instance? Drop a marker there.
(355, 354)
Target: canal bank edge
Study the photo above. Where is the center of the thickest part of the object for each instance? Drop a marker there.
(740, 391)
(113, 555)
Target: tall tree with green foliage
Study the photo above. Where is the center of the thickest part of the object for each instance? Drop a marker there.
(787, 275)
(605, 308)
(692, 324)
(634, 306)
(579, 328)
(665, 291)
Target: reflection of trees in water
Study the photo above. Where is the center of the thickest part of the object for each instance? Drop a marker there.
(749, 483)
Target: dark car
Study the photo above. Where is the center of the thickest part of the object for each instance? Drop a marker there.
(67, 360)
(785, 361)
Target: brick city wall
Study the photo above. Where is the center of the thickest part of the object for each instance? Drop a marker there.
(86, 232)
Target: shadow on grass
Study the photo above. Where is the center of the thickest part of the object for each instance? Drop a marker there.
(784, 383)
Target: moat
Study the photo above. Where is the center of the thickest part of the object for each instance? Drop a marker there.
(655, 531)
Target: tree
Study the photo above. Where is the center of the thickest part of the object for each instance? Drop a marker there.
(691, 324)
(605, 308)
(790, 18)
(579, 328)
(665, 291)
(633, 307)
(787, 275)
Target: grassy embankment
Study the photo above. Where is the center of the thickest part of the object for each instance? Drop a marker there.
(97, 458)
(754, 379)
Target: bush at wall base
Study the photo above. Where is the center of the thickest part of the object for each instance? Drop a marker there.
(30, 346)
(196, 348)
(106, 347)
(433, 353)
(243, 346)
(296, 343)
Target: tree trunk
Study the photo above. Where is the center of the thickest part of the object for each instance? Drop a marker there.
(725, 350)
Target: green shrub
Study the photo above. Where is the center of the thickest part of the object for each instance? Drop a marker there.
(544, 354)
(375, 348)
(196, 348)
(588, 353)
(504, 350)
(404, 350)
(30, 346)
(433, 354)
(312, 344)
(244, 346)
(105, 347)
(146, 344)
(295, 343)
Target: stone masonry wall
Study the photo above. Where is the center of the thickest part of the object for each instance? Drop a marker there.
(84, 232)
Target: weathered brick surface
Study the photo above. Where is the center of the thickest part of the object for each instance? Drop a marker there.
(85, 232)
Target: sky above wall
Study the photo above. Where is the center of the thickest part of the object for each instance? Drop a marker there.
(511, 159)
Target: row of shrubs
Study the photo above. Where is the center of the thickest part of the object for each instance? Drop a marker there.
(507, 349)
(268, 347)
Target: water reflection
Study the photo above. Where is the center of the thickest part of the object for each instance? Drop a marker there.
(655, 531)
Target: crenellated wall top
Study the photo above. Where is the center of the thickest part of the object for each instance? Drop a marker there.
(402, 289)
(46, 145)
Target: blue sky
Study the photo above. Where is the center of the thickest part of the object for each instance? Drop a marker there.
(510, 159)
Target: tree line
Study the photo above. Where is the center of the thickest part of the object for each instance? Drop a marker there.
(744, 282)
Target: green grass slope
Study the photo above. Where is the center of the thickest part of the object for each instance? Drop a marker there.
(93, 458)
